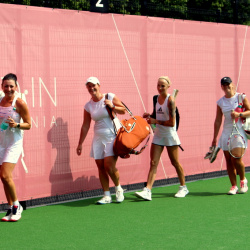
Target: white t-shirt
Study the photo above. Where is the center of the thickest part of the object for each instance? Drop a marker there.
(227, 105)
(99, 113)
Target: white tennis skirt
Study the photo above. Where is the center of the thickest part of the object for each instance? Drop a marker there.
(167, 141)
(102, 146)
(225, 135)
(12, 153)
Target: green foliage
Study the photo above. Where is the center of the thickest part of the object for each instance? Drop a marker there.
(229, 11)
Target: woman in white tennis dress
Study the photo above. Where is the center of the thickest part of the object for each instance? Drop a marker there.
(104, 136)
(165, 135)
(12, 109)
(225, 105)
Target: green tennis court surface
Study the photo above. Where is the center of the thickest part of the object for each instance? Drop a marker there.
(206, 219)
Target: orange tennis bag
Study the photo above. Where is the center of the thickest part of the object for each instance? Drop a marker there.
(130, 134)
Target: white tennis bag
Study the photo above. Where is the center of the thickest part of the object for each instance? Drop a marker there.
(245, 121)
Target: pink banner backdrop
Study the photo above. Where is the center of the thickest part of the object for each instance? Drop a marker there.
(54, 51)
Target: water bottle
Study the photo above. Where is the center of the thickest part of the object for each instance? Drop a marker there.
(4, 125)
(153, 126)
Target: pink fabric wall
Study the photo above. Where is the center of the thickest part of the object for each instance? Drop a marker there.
(54, 51)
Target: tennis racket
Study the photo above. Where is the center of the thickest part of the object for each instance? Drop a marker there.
(175, 92)
(236, 142)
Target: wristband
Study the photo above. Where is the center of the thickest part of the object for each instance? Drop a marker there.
(18, 125)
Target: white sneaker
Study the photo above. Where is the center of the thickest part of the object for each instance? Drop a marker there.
(243, 186)
(119, 195)
(233, 190)
(16, 213)
(104, 200)
(144, 194)
(7, 216)
(183, 191)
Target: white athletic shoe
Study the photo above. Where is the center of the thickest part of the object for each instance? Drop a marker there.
(7, 216)
(119, 195)
(233, 190)
(243, 186)
(16, 213)
(104, 200)
(144, 194)
(182, 192)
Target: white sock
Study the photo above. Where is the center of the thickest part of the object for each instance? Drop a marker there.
(118, 187)
(107, 193)
(16, 203)
(149, 190)
(10, 206)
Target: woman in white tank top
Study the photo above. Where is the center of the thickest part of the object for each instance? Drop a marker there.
(224, 106)
(12, 109)
(165, 135)
(104, 136)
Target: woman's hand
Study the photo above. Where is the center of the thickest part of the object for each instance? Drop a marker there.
(235, 115)
(79, 149)
(109, 103)
(146, 115)
(214, 142)
(11, 122)
(151, 120)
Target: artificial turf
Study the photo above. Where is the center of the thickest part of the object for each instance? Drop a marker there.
(206, 219)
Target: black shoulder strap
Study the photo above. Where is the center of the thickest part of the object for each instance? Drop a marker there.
(109, 109)
(153, 115)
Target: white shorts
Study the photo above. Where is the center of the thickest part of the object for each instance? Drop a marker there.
(166, 141)
(102, 146)
(12, 153)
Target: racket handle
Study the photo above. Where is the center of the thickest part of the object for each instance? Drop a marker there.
(175, 92)
(232, 110)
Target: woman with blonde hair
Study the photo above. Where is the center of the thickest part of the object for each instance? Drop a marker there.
(164, 135)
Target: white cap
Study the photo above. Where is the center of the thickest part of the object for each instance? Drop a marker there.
(93, 80)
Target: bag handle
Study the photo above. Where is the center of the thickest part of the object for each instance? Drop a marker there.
(137, 152)
(112, 117)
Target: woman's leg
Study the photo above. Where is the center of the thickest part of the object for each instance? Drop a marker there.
(155, 154)
(110, 168)
(103, 176)
(240, 167)
(173, 153)
(6, 170)
(231, 171)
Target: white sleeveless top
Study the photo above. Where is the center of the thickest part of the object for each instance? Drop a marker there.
(162, 114)
(10, 135)
(164, 135)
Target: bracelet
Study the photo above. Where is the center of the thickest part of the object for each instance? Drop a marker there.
(18, 125)
(113, 107)
(241, 115)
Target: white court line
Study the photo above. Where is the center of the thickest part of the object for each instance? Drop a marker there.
(242, 54)
(134, 78)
